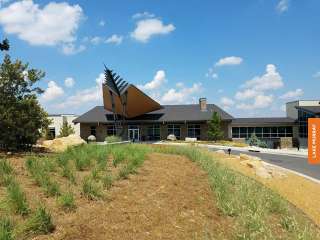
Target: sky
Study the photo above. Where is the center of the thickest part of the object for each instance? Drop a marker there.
(248, 57)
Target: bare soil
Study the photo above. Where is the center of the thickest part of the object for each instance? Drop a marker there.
(170, 198)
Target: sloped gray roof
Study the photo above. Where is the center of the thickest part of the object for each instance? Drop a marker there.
(168, 113)
(273, 120)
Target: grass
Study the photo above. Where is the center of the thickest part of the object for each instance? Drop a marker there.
(17, 199)
(6, 172)
(67, 201)
(248, 202)
(39, 223)
(91, 189)
(6, 228)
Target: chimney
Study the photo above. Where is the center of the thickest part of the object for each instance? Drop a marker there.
(203, 104)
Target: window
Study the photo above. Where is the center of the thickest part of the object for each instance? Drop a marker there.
(303, 123)
(93, 131)
(266, 132)
(111, 130)
(52, 133)
(235, 132)
(281, 131)
(194, 131)
(259, 132)
(250, 131)
(243, 132)
(289, 132)
(153, 132)
(174, 129)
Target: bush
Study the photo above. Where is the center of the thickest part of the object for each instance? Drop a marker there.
(67, 202)
(6, 229)
(113, 139)
(107, 181)
(255, 141)
(17, 199)
(40, 222)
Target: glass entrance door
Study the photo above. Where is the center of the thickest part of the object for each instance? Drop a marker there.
(133, 133)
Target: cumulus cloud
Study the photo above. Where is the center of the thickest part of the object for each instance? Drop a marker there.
(260, 101)
(246, 94)
(143, 15)
(271, 80)
(226, 102)
(69, 82)
(54, 24)
(292, 94)
(147, 28)
(228, 61)
(85, 96)
(96, 40)
(158, 80)
(181, 95)
(53, 91)
(115, 39)
(71, 49)
(283, 6)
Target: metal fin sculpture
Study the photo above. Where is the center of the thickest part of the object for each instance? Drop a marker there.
(116, 87)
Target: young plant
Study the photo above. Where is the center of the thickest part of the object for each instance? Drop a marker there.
(17, 199)
(39, 223)
(91, 189)
(67, 201)
(107, 181)
(6, 229)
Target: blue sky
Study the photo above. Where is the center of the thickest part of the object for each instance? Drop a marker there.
(249, 57)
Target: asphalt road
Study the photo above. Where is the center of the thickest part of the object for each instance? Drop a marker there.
(295, 163)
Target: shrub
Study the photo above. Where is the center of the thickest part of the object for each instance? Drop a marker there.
(17, 199)
(6, 229)
(107, 181)
(91, 189)
(119, 155)
(67, 201)
(113, 139)
(40, 222)
(255, 141)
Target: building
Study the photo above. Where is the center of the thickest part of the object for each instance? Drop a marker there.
(57, 121)
(132, 114)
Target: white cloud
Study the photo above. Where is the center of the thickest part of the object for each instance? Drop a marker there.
(283, 6)
(96, 40)
(116, 39)
(182, 95)
(147, 28)
(102, 23)
(55, 23)
(316, 75)
(69, 82)
(180, 85)
(71, 49)
(85, 96)
(246, 94)
(226, 102)
(3, 2)
(143, 15)
(271, 80)
(158, 80)
(228, 61)
(292, 94)
(260, 101)
(52, 92)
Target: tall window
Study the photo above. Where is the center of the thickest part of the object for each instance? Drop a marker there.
(111, 130)
(194, 131)
(93, 131)
(154, 132)
(51, 133)
(175, 130)
(303, 123)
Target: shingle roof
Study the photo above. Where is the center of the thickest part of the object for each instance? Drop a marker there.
(274, 120)
(168, 113)
(310, 109)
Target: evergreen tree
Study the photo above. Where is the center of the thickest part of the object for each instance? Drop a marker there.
(66, 130)
(21, 116)
(4, 46)
(214, 132)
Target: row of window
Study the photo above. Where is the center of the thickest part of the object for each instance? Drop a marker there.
(261, 132)
(153, 131)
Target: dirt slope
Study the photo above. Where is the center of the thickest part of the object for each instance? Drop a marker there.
(170, 198)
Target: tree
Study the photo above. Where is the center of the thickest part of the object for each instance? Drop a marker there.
(215, 133)
(4, 46)
(66, 130)
(21, 116)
